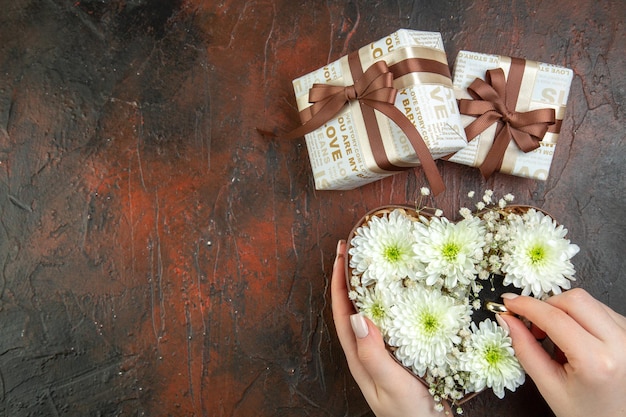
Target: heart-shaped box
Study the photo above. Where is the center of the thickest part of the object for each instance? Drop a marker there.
(454, 365)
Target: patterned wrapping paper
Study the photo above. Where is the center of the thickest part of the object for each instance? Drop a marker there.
(542, 86)
(341, 151)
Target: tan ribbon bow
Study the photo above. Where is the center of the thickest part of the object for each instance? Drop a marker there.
(494, 102)
(373, 89)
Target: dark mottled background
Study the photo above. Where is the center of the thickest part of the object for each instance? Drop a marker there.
(158, 257)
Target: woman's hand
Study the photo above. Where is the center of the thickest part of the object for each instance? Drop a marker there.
(592, 381)
(390, 390)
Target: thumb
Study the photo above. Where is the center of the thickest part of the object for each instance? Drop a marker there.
(372, 352)
(534, 359)
(389, 379)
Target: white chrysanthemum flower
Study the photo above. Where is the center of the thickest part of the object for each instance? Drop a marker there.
(375, 303)
(382, 249)
(537, 255)
(425, 327)
(450, 251)
(490, 360)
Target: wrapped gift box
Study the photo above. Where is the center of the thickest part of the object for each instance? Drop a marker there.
(347, 152)
(538, 86)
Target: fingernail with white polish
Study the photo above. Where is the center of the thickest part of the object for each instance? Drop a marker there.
(509, 295)
(339, 245)
(359, 326)
(502, 323)
(338, 255)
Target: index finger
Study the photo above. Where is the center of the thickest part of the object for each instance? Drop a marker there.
(572, 338)
(590, 313)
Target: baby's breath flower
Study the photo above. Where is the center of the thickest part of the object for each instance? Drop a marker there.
(471, 194)
(465, 212)
(355, 281)
(425, 191)
(457, 395)
(509, 197)
(480, 205)
(487, 196)
(476, 286)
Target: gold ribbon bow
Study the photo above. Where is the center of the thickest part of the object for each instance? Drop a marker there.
(373, 89)
(494, 102)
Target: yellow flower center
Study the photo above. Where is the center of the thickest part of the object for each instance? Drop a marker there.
(377, 312)
(392, 253)
(537, 254)
(450, 251)
(493, 355)
(429, 322)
